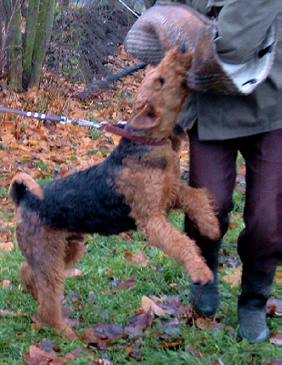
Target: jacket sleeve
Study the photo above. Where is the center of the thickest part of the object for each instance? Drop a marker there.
(242, 27)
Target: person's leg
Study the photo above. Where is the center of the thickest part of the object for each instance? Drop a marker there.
(212, 166)
(260, 243)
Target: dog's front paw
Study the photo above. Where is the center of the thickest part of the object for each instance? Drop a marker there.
(210, 227)
(201, 274)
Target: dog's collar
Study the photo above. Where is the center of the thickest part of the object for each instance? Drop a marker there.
(138, 139)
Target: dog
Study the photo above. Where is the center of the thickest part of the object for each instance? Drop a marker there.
(134, 187)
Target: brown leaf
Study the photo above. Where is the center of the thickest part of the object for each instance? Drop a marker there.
(148, 305)
(139, 323)
(278, 277)
(103, 335)
(126, 236)
(275, 362)
(207, 324)
(37, 356)
(138, 259)
(127, 284)
(6, 246)
(276, 339)
(133, 353)
(73, 355)
(274, 307)
(234, 278)
(172, 345)
(5, 284)
(74, 273)
(101, 362)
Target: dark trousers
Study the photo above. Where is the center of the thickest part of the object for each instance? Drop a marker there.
(213, 165)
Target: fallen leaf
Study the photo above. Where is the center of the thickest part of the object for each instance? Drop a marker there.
(207, 324)
(37, 356)
(6, 246)
(5, 284)
(126, 236)
(278, 277)
(274, 307)
(101, 362)
(49, 346)
(127, 284)
(137, 259)
(148, 305)
(276, 339)
(133, 353)
(173, 345)
(139, 323)
(173, 306)
(73, 355)
(74, 273)
(234, 277)
(103, 335)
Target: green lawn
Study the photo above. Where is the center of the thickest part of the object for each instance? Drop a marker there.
(94, 298)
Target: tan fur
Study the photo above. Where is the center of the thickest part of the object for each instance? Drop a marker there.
(149, 191)
(31, 184)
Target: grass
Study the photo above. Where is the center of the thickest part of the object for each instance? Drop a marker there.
(99, 302)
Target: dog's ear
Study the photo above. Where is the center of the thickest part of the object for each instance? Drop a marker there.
(181, 56)
(186, 58)
(146, 118)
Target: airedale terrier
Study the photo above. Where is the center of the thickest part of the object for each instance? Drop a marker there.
(134, 187)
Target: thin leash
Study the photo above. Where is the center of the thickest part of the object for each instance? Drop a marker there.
(59, 119)
(117, 129)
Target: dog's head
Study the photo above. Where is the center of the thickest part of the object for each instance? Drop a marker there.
(161, 95)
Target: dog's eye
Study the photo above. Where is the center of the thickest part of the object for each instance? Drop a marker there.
(162, 81)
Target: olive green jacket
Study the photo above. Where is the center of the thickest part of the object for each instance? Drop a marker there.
(242, 27)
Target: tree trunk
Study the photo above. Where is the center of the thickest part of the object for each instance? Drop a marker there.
(42, 38)
(15, 48)
(31, 29)
(5, 24)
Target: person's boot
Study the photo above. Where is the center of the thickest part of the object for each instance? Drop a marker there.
(205, 298)
(256, 288)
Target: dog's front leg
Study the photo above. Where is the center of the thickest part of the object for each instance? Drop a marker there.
(199, 205)
(178, 246)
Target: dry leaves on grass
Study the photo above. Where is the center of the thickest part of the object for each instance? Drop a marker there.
(74, 273)
(234, 277)
(147, 305)
(274, 307)
(207, 324)
(276, 339)
(137, 259)
(6, 246)
(45, 354)
(278, 277)
(6, 284)
(4, 313)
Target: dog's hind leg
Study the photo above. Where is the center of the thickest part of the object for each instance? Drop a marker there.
(178, 246)
(50, 279)
(199, 205)
(28, 280)
(75, 249)
(44, 249)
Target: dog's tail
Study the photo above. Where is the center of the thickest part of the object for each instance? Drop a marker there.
(21, 185)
